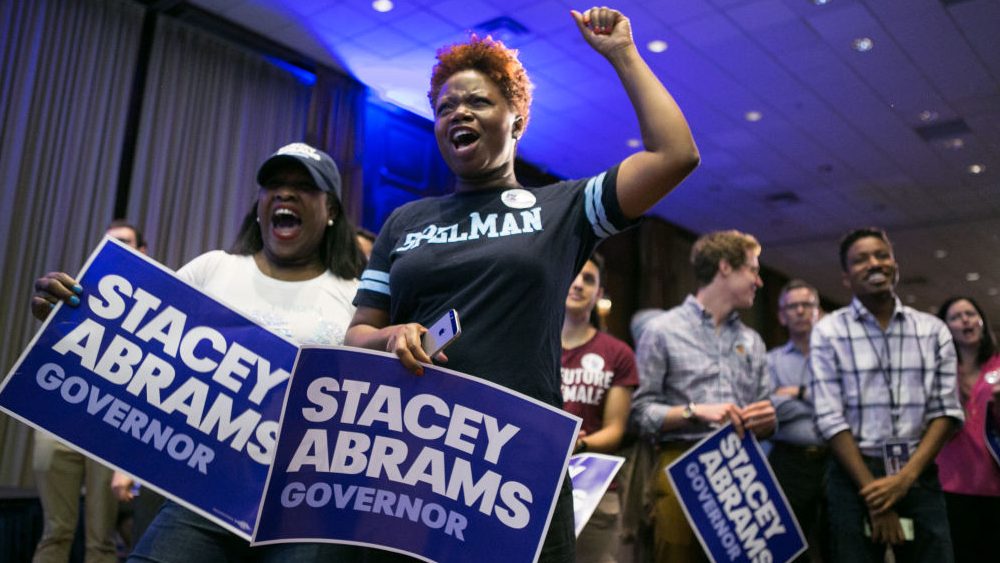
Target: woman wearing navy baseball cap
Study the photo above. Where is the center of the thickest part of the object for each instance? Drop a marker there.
(294, 270)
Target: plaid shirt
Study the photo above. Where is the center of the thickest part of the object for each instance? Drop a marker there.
(682, 360)
(861, 375)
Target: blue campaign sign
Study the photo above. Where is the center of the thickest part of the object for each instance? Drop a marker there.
(152, 377)
(592, 474)
(992, 432)
(444, 467)
(733, 501)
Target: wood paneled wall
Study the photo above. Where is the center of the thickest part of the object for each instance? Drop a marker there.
(650, 267)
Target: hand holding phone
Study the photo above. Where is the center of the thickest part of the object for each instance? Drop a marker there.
(441, 333)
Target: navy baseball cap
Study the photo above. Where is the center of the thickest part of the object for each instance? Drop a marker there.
(319, 165)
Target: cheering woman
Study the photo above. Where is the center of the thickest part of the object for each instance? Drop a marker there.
(501, 254)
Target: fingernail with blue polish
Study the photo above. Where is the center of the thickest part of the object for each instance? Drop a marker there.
(77, 288)
(74, 300)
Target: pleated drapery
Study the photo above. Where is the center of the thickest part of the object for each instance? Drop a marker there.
(66, 70)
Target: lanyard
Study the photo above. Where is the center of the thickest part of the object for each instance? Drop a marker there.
(886, 370)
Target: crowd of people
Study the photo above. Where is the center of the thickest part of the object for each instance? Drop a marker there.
(858, 404)
(875, 413)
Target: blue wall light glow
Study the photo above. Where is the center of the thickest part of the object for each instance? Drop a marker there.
(300, 74)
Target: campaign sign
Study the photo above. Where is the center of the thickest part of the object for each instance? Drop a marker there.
(443, 467)
(733, 502)
(592, 474)
(992, 432)
(151, 376)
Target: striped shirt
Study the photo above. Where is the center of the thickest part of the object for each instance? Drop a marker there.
(683, 360)
(504, 258)
(879, 384)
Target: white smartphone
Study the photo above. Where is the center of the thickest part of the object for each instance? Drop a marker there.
(905, 523)
(441, 333)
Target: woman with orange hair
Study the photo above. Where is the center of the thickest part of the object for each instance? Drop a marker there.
(501, 254)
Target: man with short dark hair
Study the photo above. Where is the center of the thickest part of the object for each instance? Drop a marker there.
(700, 367)
(799, 456)
(127, 233)
(884, 389)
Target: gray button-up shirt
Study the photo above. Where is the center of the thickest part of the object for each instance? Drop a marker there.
(796, 425)
(682, 359)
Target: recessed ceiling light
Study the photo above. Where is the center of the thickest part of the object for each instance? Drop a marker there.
(633, 143)
(940, 253)
(820, 2)
(911, 298)
(992, 292)
(382, 5)
(954, 144)
(972, 276)
(928, 115)
(657, 45)
(863, 44)
(977, 168)
(753, 115)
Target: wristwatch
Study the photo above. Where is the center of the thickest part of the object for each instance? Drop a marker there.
(688, 412)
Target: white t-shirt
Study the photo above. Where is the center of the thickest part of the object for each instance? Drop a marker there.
(316, 311)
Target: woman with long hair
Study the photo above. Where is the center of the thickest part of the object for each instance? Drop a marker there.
(294, 270)
(598, 377)
(969, 476)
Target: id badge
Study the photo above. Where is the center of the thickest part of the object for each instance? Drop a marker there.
(895, 454)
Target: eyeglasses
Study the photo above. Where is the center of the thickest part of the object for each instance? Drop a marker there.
(807, 305)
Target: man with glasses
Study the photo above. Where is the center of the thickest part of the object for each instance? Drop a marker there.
(799, 455)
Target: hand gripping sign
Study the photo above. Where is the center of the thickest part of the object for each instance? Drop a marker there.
(443, 467)
(151, 376)
(733, 502)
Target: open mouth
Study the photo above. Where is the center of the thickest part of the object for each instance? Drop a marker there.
(463, 138)
(876, 277)
(285, 223)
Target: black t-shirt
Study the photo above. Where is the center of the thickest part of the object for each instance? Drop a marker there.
(503, 258)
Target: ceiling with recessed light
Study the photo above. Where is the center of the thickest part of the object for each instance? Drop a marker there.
(812, 116)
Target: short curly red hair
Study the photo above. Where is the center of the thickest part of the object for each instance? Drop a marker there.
(493, 59)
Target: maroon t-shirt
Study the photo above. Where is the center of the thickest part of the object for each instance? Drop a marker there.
(589, 371)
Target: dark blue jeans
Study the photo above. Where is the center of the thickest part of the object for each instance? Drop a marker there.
(559, 545)
(178, 535)
(924, 504)
(801, 472)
